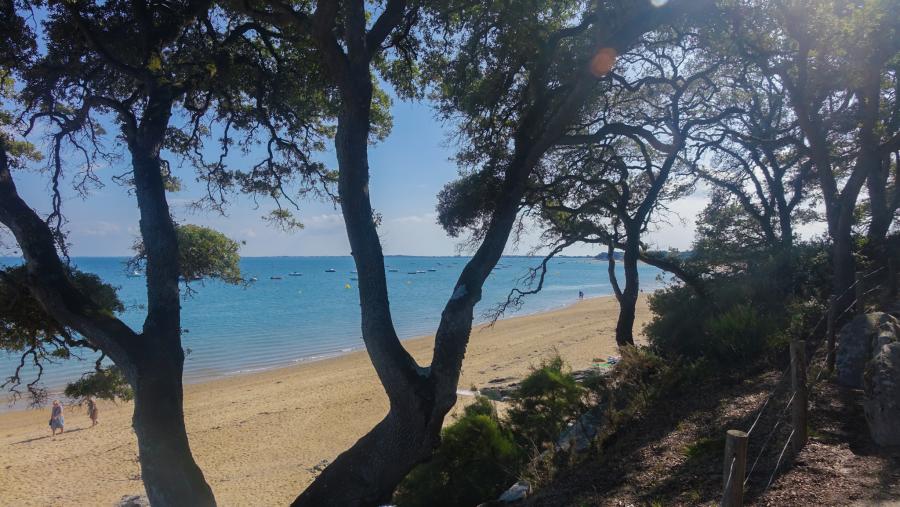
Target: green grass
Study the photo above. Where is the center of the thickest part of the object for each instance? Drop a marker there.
(705, 447)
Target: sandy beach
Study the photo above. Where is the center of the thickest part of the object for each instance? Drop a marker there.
(259, 436)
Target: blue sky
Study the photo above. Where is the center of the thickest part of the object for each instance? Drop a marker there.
(408, 170)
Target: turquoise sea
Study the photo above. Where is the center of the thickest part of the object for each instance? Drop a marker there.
(277, 322)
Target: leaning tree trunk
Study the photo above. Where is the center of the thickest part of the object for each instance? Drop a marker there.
(420, 397)
(170, 474)
(367, 473)
(628, 301)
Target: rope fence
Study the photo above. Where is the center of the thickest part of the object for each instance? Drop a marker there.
(736, 477)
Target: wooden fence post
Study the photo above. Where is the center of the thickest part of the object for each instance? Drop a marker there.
(830, 333)
(734, 468)
(798, 383)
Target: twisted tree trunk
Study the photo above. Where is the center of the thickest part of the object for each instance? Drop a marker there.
(628, 301)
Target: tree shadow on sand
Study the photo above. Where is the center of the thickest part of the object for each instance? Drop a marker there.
(50, 436)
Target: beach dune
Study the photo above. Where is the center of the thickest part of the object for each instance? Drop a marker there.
(261, 437)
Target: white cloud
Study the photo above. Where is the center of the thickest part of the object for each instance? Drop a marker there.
(416, 219)
(101, 228)
(323, 221)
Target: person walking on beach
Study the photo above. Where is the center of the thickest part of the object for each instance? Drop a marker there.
(92, 410)
(56, 418)
(580, 294)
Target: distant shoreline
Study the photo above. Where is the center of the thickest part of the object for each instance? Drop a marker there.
(278, 322)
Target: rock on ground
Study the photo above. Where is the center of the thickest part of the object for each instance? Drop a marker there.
(858, 342)
(133, 501)
(518, 492)
(882, 402)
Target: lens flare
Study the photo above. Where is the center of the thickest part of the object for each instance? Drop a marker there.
(603, 61)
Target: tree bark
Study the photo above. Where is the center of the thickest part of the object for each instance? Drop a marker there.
(628, 301)
(843, 265)
(611, 270)
(152, 361)
(170, 474)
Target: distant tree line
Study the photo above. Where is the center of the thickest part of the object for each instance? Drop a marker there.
(586, 119)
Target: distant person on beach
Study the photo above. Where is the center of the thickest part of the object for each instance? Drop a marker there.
(92, 410)
(580, 295)
(56, 418)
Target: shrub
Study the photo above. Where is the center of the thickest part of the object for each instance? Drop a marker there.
(546, 401)
(739, 334)
(476, 461)
(734, 325)
(105, 383)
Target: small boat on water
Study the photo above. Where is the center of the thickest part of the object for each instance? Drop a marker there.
(393, 270)
(419, 271)
(412, 272)
(432, 270)
(254, 279)
(274, 278)
(353, 272)
(330, 270)
(295, 273)
(354, 279)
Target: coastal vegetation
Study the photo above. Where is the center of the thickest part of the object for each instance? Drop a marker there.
(584, 120)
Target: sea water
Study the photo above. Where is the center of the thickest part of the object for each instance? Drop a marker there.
(270, 322)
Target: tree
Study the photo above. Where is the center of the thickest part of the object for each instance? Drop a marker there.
(831, 58)
(516, 85)
(621, 162)
(757, 154)
(755, 160)
(622, 159)
(26, 329)
(146, 64)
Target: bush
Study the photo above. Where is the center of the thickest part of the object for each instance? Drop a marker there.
(733, 325)
(546, 401)
(476, 461)
(105, 383)
(738, 334)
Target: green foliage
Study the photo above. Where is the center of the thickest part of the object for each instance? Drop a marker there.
(546, 400)
(23, 322)
(476, 461)
(105, 383)
(467, 202)
(284, 219)
(202, 253)
(705, 447)
(29, 332)
(746, 315)
(481, 406)
(739, 334)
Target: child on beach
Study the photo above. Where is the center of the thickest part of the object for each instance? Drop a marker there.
(92, 410)
(56, 418)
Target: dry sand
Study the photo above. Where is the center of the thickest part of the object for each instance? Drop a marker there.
(257, 437)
